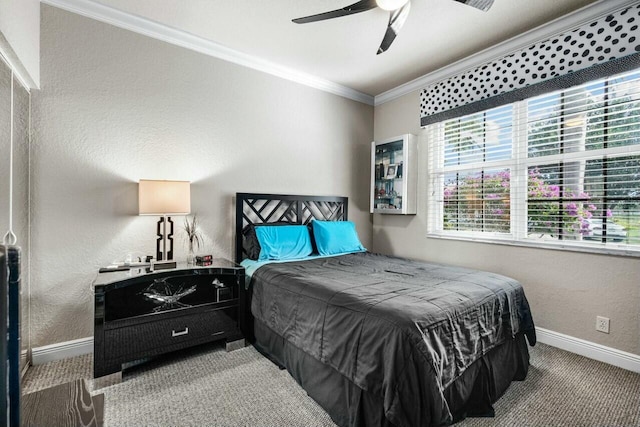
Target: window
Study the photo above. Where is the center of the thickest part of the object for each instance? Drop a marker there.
(562, 169)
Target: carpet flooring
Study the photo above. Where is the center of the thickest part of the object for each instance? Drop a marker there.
(207, 386)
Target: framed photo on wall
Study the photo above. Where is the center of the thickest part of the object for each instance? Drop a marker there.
(392, 171)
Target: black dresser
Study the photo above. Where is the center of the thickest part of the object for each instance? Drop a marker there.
(141, 313)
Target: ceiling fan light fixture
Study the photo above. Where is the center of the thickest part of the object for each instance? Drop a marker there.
(398, 13)
(391, 4)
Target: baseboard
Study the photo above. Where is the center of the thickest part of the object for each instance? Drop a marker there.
(62, 350)
(589, 349)
(24, 362)
(612, 356)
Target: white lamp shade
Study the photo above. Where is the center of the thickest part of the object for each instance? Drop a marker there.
(391, 4)
(164, 197)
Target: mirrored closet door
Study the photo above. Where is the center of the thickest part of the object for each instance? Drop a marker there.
(14, 183)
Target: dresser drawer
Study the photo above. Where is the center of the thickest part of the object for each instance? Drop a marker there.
(168, 292)
(170, 334)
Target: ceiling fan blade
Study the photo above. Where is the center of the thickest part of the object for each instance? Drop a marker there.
(361, 6)
(483, 5)
(397, 19)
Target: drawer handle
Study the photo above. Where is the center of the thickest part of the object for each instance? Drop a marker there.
(179, 333)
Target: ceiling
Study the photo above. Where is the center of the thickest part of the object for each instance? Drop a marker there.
(343, 50)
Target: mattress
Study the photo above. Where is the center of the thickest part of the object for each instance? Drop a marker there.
(416, 340)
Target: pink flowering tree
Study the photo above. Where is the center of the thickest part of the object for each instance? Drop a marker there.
(546, 215)
(481, 201)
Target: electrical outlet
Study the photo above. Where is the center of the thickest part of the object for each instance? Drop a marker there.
(602, 324)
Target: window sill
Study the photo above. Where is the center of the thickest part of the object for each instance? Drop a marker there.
(565, 246)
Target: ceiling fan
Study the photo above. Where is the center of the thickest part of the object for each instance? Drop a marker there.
(398, 12)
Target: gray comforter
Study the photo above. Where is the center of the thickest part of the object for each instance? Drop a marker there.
(401, 329)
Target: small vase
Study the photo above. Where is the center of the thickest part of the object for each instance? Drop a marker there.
(191, 256)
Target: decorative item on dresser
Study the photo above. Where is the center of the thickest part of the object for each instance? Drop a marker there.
(141, 313)
(194, 237)
(203, 260)
(164, 198)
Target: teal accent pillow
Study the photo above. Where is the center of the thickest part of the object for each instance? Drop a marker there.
(250, 241)
(283, 242)
(336, 237)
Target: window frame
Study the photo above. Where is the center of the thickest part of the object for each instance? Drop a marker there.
(519, 165)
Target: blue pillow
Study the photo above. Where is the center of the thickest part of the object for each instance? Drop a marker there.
(336, 237)
(283, 242)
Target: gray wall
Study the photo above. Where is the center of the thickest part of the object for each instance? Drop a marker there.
(115, 107)
(566, 290)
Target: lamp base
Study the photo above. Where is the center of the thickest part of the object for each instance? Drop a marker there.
(164, 242)
(163, 265)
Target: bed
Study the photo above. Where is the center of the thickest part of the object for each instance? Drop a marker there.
(381, 340)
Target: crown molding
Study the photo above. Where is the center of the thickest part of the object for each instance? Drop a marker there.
(8, 56)
(147, 27)
(550, 29)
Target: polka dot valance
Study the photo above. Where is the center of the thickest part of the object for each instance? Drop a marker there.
(604, 47)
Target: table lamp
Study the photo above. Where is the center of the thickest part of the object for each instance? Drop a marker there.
(164, 198)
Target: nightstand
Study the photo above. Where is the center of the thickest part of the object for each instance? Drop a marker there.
(141, 313)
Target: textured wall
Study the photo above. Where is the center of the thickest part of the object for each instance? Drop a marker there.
(20, 26)
(566, 289)
(115, 107)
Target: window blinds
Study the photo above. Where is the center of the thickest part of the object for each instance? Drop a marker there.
(560, 168)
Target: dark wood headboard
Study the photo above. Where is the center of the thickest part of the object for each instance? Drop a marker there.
(254, 208)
